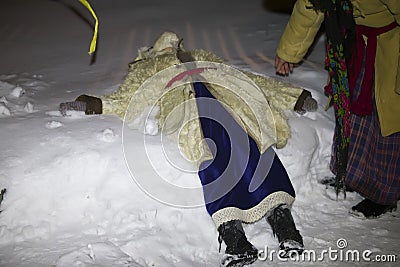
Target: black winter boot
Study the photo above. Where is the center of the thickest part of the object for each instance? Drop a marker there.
(370, 210)
(239, 251)
(282, 223)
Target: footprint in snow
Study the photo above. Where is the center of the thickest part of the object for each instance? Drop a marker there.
(17, 92)
(29, 107)
(4, 110)
(107, 135)
(53, 124)
(380, 232)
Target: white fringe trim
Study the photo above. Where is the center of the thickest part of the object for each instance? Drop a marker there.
(255, 213)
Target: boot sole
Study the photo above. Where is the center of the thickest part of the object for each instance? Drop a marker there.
(291, 253)
(237, 260)
(359, 215)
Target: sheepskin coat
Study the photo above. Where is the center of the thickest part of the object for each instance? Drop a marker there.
(262, 115)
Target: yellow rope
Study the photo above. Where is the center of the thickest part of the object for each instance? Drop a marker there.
(96, 26)
(328, 105)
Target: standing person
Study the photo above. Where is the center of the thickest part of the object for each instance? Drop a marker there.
(363, 59)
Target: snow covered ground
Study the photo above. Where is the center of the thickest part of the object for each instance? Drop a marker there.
(70, 198)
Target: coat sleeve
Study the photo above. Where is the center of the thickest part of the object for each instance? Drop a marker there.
(300, 32)
(394, 8)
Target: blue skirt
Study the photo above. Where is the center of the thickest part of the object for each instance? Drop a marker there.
(239, 183)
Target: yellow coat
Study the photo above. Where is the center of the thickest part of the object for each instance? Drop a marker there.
(304, 24)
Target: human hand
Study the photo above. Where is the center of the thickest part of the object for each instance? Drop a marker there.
(282, 66)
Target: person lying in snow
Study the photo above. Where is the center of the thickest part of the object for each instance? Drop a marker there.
(274, 196)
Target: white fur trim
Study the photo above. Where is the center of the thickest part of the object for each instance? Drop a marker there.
(255, 213)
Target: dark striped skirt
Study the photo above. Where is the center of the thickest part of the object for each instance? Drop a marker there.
(373, 168)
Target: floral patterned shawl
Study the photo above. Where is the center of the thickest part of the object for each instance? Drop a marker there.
(340, 34)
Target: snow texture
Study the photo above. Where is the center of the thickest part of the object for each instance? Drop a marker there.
(71, 200)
